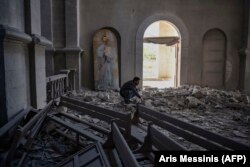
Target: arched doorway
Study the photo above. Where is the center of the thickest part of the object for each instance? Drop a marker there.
(214, 55)
(161, 43)
(183, 53)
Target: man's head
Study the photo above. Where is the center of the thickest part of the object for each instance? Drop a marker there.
(136, 80)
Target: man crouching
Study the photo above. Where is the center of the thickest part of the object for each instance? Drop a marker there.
(129, 90)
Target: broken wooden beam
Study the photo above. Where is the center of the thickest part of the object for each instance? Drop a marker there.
(99, 112)
(76, 129)
(93, 126)
(14, 121)
(117, 141)
(93, 154)
(29, 129)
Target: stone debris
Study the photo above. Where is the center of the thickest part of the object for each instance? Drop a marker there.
(224, 112)
(197, 92)
(95, 120)
(248, 119)
(108, 99)
(54, 143)
(239, 134)
(88, 99)
(193, 102)
(219, 111)
(218, 106)
(48, 149)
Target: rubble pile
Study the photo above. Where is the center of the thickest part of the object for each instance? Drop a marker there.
(224, 112)
(106, 99)
(196, 97)
(49, 149)
(54, 143)
(220, 111)
(86, 118)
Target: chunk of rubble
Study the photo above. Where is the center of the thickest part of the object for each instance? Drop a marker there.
(193, 102)
(236, 117)
(62, 109)
(197, 92)
(248, 119)
(245, 99)
(218, 106)
(103, 96)
(87, 98)
(239, 134)
(148, 103)
(158, 103)
(95, 120)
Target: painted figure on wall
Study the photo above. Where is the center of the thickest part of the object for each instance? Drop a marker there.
(106, 60)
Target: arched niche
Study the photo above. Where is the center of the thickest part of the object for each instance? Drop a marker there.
(214, 56)
(106, 60)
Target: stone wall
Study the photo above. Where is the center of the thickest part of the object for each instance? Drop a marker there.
(193, 18)
(72, 24)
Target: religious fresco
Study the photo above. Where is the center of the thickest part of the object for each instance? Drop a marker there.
(106, 72)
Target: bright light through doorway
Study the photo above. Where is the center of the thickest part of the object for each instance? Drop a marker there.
(160, 55)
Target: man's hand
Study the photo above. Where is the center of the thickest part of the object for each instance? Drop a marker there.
(141, 99)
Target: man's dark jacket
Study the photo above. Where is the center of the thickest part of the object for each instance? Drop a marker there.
(130, 86)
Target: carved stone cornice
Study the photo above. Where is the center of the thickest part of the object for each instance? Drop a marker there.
(245, 52)
(40, 40)
(7, 32)
(66, 50)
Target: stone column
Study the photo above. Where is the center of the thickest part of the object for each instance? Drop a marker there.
(47, 32)
(72, 50)
(36, 53)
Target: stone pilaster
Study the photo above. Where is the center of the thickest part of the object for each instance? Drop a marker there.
(36, 53)
(247, 71)
(247, 51)
(244, 83)
(37, 71)
(72, 50)
(47, 32)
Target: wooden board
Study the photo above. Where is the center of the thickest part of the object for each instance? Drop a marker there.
(92, 156)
